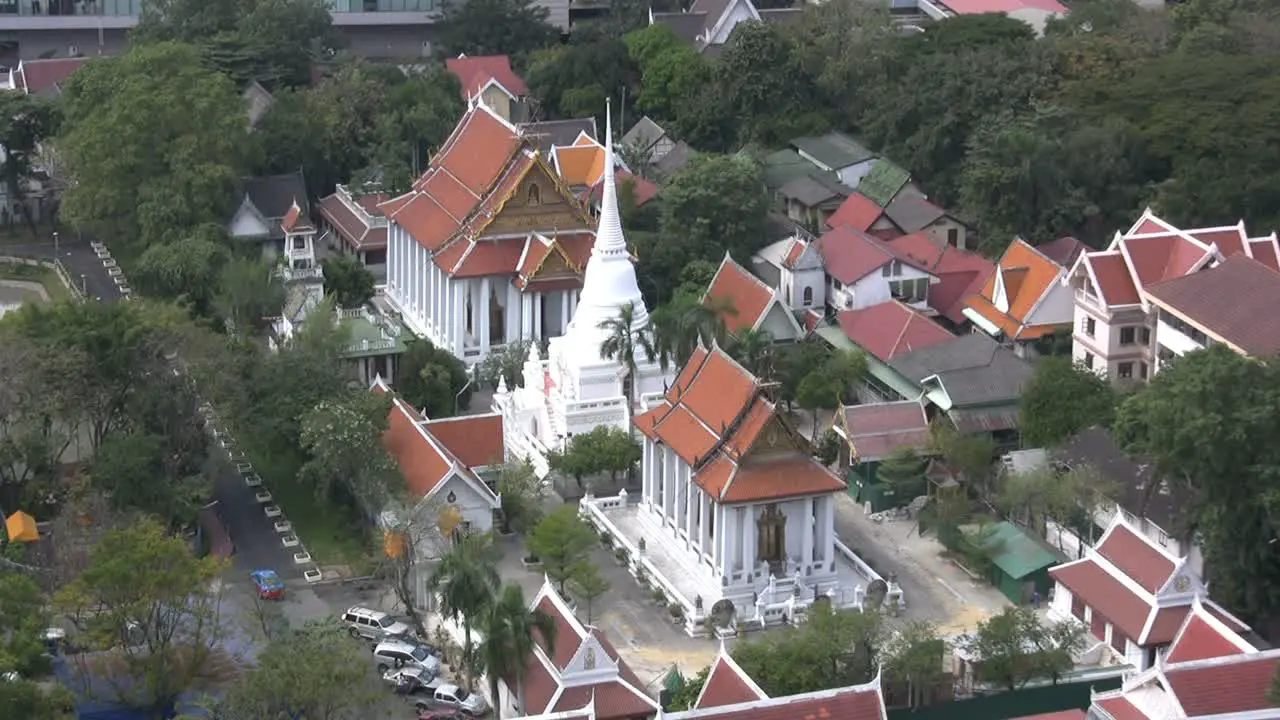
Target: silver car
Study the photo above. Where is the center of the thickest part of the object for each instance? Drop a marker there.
(397, 654)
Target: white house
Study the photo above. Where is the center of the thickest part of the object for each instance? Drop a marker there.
(577, 389)
(264, 204)
(862, 271)
(489, 246)
(750, 304)
(1027, 298)
(445, 464)
(794, 266)
(735, 516)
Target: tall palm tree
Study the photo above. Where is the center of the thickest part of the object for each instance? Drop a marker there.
(623, 340)
(466, 580)
(753, 349)
(508, 641)
(685, 321)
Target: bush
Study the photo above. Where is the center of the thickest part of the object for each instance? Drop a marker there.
(606, 539)
(676, 610)
(659, 596)
(621, 555)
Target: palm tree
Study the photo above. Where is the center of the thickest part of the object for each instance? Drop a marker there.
(753, 349)
(621, 343)
(508, 641)
(466, 580)
(684, 322)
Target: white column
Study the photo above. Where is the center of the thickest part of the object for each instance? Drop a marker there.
(483, 309)
(537, 315)
(689, 496)
(437, 297)
(526, 315)
(722, 532)
(749, 539)
(573, 301)
(829, 532)
(702, 522)
(564, 311)
(806, 548)
(415, 280)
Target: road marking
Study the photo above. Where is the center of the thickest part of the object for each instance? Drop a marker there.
(951, 589)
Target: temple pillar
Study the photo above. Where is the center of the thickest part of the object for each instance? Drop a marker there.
(482, 308)
(702, 522)
(829, 529)
(564, 311)
(806, 546)
(688, 513)
(537, 317)
(749, 540)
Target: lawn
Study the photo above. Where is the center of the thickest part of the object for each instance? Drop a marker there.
(36, 273)
(332, 536)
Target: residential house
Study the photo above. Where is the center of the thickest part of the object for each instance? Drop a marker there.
(707, 24)
(671, 163)
(547, 134)
(960, 273)
(581, 670)
(1133, 595)
(862, 271)
(1212, 669)
(1231, 304)
(490, 79)
(1024, 300)
(883, 332)
(43, 77)
(1149, 503)
(971, 379)
(1115, 320)
(870, 433)
(449, 467)
(749, 303)
(908, 212)
(793, 265)
(582, 165)
(264, 204)
(735, 515)
(812, 198)
(355, 221)
(489, 246)
(837, 153)
(259, 102)
(646, 139)
(730, 694)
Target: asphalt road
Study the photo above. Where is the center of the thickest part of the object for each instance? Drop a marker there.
(78, 257)
(257, 544)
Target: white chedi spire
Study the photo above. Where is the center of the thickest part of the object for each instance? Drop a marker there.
(610, 279)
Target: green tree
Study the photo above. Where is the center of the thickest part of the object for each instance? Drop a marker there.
(903, 471)
(153, 143)
(27, 699)
(575, 80)
(714, 204)
(602, 449)
(832, 649)
(689, 691)
(914, 655)
(969, 456)
(145, 597)
(511, 630)
(433, 380)
(831, 383)
(622, 339)
(23, 619)
(348, 280)
(671, 71)
(766, 88)
(130, 467)
(562, 541)
(587, 586)
(753, 349)
(26, 121)
(249, 292)
(1060, 400)
(522, 496)
(795, 362)
(507, 363)
(466, 581)
(417, 113)
(1204, 421)
(1016, 647)
(188, 269)
(316, 671)
(495, 27)
(347, 459)
(682, 324)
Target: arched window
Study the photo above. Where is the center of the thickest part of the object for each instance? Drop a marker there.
(535, 195)
(808, 297)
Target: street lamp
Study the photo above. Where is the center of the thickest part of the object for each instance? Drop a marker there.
(84, 287)
(55, 242)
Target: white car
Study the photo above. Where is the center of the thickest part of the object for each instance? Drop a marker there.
(397, 654)
(373, 624)
(453, 696)
(417, 680)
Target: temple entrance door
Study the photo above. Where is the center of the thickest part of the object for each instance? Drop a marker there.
(497, 318)
(771, 539)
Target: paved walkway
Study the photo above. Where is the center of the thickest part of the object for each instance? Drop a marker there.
(934, 588)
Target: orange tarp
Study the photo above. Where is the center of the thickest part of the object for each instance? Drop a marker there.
(22, 528)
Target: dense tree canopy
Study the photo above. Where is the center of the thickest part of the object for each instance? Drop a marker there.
(1060, 400)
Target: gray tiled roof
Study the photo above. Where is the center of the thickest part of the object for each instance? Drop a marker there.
(558, 132)
(1137, 488)
(677, 158)
(835, 150)
(912, 211)
(643, 134)
(814, 188)
(273, 195)
(973, 370)
(686, 25)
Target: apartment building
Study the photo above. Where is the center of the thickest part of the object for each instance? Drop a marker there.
(65, 28)
(1116, 322)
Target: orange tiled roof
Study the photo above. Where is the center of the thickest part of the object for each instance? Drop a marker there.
(747, 294)
(727, 684)
(1026, 276)
(476, 440)
(296, 220)
(645, 190)
(714, 416)
(474, 73)
(580, 165)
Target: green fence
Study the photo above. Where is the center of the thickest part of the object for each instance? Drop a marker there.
(1016, 704)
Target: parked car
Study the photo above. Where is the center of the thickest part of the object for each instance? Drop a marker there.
(457, 698)
(396, 654)
(412, 639)
(373, 624)
(269, 584)
(413, 681)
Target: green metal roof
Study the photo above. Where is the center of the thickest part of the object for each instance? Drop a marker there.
(1018, 554)
(783, 166)
(883, 181)
(371, 335)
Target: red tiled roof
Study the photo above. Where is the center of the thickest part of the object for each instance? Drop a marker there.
(1265, 251)
(1224, 685)
(476, 440)
(1234, 301)
(749, 296)
(891, 328)
(295, 220)
(1137, 558)
(850, 255)
(1163, 257)
(1115, 284)
(857, 212)
(37, 76)
(877, 429)
(1230, 240)
(712, 418)
(1089, 581)
(1200, 640)
(727, 684)
(794, 252)
(1165, 624)
(858, 702)
(475, 72)
(488, 257)
(354, 229)
(960, 273)
(423, 465)
(645, 190)
(1064, 251)
(1120, 708)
